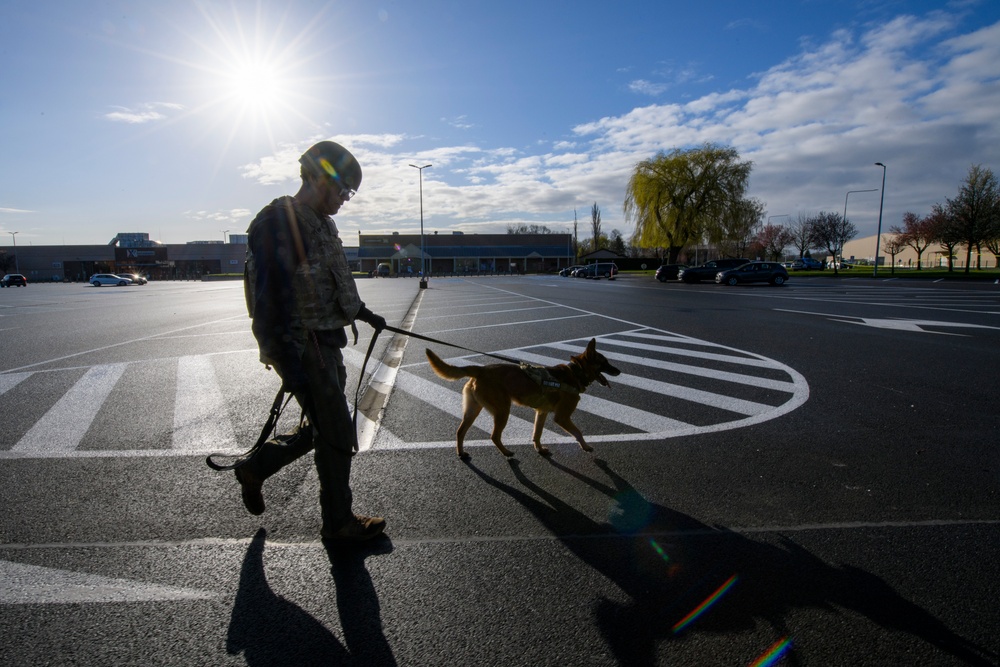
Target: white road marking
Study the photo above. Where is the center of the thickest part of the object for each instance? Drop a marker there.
(10, 380)
(200, 408)
(62, 428)
(649, 425)
(900, 324)
(32, 584)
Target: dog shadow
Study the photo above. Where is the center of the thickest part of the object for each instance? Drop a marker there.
(682, 575)
(272, 631)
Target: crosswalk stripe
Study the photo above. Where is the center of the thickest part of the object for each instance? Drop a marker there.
(200, 417)
(64, 425)
(10, 380)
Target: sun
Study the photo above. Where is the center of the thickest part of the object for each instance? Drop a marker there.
(255, 71)
(254, 86)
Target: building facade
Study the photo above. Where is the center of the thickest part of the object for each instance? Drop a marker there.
(443, 254)
(126, 253)
(463, 254)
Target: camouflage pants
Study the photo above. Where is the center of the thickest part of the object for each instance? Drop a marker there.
(330, 433)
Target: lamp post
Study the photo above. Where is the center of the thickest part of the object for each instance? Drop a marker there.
(845, 218)
(17, 263)
(224, 232)
(423, 273)
(783, 215)
(878, 235)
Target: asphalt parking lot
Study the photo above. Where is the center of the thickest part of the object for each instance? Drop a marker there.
(805, 473)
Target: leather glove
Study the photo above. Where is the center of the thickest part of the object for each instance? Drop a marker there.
(376, 322)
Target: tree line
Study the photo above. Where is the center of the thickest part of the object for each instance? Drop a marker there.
(694, 196)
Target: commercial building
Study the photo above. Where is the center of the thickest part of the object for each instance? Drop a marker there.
(444, 254)
(131, 252)
(458, 253)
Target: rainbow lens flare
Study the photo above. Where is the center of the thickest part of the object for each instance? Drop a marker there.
(776, 652)
(706, 605)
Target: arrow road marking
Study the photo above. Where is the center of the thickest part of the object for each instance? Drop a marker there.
(894, 324)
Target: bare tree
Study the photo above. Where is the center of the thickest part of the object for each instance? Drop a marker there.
(893, 245)
(917, 233)
(616, 243)
(773, 240)
(576, 241)
(595, 225)
(971, 212)
(802, 236)
(524, 228)
(831, 231)
(947, 232)
(740, 226)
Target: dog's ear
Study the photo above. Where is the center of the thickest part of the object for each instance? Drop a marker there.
(591, 347)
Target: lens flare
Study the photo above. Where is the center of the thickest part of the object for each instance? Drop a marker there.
(706, 605)
(776, 652)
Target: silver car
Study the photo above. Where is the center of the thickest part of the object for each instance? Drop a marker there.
(99, 279)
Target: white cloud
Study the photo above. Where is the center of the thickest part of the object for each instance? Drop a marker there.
(644, 87)
(143, 113)
(908, 93)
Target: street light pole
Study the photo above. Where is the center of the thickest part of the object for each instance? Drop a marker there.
(17, 263)
(878, 236)
(845, 217)
(224, 232)
(423, 273)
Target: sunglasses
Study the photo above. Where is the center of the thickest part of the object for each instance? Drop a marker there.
(346, 193)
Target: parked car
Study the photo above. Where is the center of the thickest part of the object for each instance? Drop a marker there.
(669, 272)
(12, 279)
(569, 270)
(99, 279)
(806, 264)
(598, 270)
(754, 272)
(708, 270)
(134, 277)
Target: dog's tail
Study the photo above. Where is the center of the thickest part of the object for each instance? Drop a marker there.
(448, 371)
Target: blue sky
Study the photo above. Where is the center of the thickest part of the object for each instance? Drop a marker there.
(183, 118)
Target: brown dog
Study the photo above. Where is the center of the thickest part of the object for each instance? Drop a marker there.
(553, 389)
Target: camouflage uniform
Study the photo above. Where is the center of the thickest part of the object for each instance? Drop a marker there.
(301, 294)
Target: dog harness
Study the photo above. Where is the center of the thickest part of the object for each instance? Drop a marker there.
(542, 377)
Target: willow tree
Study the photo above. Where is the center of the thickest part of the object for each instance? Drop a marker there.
(680, 197)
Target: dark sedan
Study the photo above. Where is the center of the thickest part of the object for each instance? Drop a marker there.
(708, 270)
(754, 272)
(12, 279)
(669, 272)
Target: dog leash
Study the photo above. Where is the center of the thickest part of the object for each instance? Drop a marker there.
(280, 401)
(411, 334)
(441, 342)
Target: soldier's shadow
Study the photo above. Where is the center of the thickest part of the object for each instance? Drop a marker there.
(271, 630)
(671, 565)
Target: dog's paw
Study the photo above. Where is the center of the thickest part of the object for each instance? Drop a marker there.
(544, 451)
(464, 456)
(585, 447)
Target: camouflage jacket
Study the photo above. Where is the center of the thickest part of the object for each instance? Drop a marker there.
(297, 279)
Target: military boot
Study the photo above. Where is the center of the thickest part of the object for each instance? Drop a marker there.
(272, 456)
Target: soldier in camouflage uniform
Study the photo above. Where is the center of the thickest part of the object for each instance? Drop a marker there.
(301, 296)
